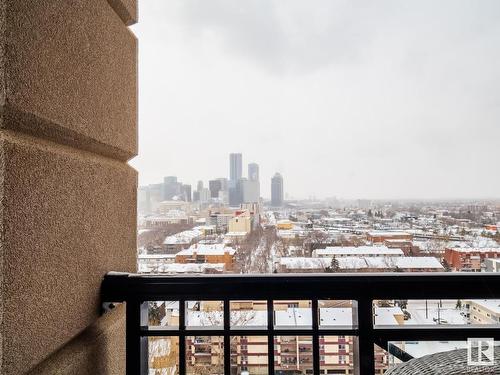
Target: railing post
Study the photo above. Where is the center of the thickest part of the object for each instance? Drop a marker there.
(366, 355)
(270, 336)
(136, 346)
(227, 337)
(182, 337)
(315, 337)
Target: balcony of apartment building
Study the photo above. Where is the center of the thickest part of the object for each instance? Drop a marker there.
(68, 218)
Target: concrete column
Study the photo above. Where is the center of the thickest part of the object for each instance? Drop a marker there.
(68, 126)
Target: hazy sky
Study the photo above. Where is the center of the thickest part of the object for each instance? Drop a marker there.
(372, 99)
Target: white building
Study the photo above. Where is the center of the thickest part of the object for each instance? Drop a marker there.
(361, 251)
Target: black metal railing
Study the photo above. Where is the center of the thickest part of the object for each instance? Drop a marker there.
(136, 290)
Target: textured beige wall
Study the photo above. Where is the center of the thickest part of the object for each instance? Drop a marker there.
(68, 124)
(71, 74)
(100, 349)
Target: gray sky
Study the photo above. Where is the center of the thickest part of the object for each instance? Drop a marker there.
(354, 99)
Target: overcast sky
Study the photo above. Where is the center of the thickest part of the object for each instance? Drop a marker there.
(354, 99)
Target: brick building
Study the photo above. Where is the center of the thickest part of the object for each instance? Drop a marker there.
(469, 259)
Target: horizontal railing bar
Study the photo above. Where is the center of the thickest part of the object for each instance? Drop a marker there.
(246, 332)
(122, 287)
(436, 334)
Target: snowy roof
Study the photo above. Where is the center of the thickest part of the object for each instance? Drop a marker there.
(386, 316)
(387, 233)
(183, 237)
(182, 268)
(362, 262)
(305, 263)
(252, 318)
(293, 317)
(236, 234)
(361, 250)
(335, 316)
(155, 256)
(208, 249)
(491, 304)
(476, 249)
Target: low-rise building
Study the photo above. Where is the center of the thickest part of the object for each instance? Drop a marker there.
(284, 224)
(357, 264)
(182, 240)
(208, 253)
(405, 245)
(492, 265)
(241, 222)
(382, 236)
(360, 251)
(485, 311)
(469, 259)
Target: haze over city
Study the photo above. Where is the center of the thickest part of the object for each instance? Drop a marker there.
(375, 100)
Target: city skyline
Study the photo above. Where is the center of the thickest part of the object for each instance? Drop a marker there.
(355, 100)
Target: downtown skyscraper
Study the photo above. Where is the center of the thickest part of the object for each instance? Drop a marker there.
(235, 166)
(277, 190)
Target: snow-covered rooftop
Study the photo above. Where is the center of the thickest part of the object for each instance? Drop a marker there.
(384, 262)
(491, 304)
(293, 317)
(208, 249)
(184, 237)
(357, 251)
(380, 233)
(182, 268)
(476, 249)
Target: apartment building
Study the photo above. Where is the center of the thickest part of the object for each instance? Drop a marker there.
(358, 264)
(208, 253)
(483, 311)
(361, 251)
(382, 236)
(469, 259)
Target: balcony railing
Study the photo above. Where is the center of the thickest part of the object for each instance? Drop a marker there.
(363, 289)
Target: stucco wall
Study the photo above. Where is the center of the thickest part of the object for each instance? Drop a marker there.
(68, 125)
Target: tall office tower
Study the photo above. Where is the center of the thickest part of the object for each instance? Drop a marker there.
(250, 191)
(235, 167)
(224, 184)
(204, 195)
(277, 190)
(215, 186)
(186, 192)
(171, 187)
(236, 192)
(196, 196)
(251, 188)
(253, 172)
(199, 186)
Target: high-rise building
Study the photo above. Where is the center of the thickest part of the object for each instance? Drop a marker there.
(204, 195)
(277, 190)
(235, 171)
(171, 187)
(199, 186)
(186, 192)
(236, 192)
(224, 184)
(253, 172)
(215, 186)
(235, 167)
(196, 196)
(224, 190)
(251, 187)
(250, 191)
